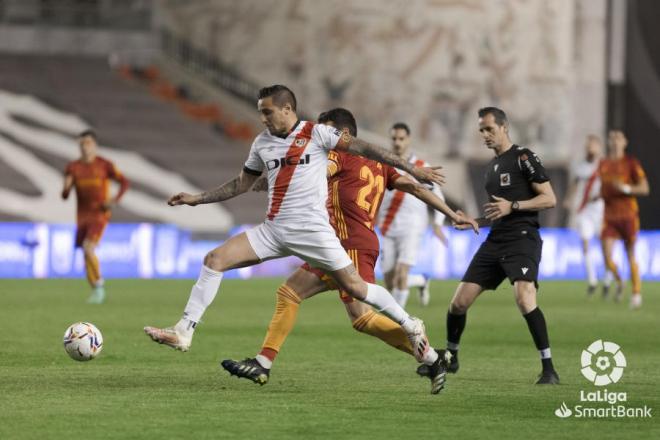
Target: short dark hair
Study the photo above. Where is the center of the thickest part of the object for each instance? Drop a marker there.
(88, 132)
(281, 95)
(341, 118)
(498, 114)
(401, 126)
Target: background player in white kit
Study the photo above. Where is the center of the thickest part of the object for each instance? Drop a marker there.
(403, 220)
(294, 155)
(584, 200)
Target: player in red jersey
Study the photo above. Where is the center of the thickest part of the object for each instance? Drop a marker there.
(622, 181)
(355, 189)
(90, 175)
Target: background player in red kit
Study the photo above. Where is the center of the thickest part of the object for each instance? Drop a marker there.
(355, 189)
(90, 175)
(623, 180)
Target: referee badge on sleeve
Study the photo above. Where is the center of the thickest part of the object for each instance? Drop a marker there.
(505, 179)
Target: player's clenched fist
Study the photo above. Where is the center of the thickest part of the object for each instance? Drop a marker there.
(183, 199)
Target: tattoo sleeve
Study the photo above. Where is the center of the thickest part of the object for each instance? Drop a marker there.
(363, 148)
(225, 191)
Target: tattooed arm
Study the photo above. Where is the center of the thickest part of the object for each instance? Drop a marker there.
(226, 191)
(360, 147)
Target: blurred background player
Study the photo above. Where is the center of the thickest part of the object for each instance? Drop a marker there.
(623, 180)
(403, 222)
(356, 186)
(584, 198)
(518, 186)
(91, 175)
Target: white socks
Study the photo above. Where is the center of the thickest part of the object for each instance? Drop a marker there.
(380, 299)
(416, 280)
(264, 361)
(201, 295)
(401, 296)
(591, 270)
(430, 357)
(185, 327)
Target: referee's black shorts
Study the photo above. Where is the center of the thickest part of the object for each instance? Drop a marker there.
(515, 256)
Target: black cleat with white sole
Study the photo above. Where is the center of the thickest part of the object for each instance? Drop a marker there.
(438, 371)
(248, 368)
(423, 369)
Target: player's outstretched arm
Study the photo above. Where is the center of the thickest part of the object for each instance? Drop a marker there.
(405, 184)
(260, 185)
(544, 199)
(359, 147)
(68, 184)
(239, 185)
(481, 222)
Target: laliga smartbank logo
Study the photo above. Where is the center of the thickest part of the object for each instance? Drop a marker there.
(603, 364)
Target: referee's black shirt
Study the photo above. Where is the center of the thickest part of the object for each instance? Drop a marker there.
(510, 176)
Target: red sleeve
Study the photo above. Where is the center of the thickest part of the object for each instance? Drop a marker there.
(392, 175)
(69, 168)
(636, 171)
(334, 162)
(116, 175)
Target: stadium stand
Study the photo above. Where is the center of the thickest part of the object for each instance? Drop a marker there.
(131, 119)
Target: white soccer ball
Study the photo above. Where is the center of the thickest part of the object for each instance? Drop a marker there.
(83, 341)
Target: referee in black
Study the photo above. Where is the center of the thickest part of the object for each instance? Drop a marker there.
(517, 187)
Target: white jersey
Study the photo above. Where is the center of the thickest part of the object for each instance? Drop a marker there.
(404, 214)
(296, 171)
(588, 189)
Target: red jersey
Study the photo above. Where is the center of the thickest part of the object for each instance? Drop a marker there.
(92, 181)
(355, 192)
(626, 170)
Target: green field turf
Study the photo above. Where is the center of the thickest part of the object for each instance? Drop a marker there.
(328, 382)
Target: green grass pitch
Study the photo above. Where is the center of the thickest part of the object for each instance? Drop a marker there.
(328, 382)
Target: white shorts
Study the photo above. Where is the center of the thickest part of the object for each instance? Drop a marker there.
(402, 250)
(588, 224)
(318, 246)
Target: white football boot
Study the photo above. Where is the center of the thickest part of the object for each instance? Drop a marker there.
(419, 340)
(169, 336)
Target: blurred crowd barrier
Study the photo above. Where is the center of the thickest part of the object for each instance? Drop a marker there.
(145, 250)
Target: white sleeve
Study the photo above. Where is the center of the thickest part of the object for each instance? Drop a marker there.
(438, 217)
(326, 136)
(254, 164)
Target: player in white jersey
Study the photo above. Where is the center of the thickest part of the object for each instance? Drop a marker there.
(403, 220)
(293, 153)
(583, 199)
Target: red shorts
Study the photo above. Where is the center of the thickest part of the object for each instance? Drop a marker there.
(90, 230)
(623, 228)
(363, 260)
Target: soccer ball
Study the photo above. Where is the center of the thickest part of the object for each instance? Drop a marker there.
(83, 341)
